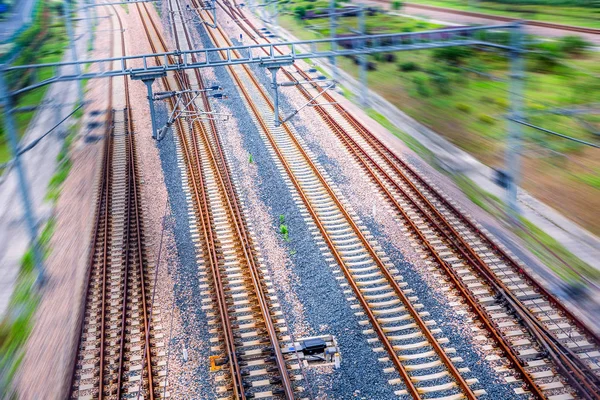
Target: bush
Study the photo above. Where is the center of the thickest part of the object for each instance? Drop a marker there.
(574, 45)
(300, 12)
(389, 57)
(442, 82)
(544, 62)
(421, 86)
(502, 103)
(396, 5)
(452, 55)
(487, 119)
(463, 108)
(409, 66)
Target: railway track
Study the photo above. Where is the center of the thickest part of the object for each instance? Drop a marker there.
(244, 314)
(550, 340)
(541, 24)
(118, 354)
(419, 358)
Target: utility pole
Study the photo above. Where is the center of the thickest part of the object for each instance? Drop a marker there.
(332, 29)
(513, 145)
(89, 24)
(148, 79)
(11, 131)
(364, 98)
(66, 10)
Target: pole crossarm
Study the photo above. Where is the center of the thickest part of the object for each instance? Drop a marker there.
(249, 54)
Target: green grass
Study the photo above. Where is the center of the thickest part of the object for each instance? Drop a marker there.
(411, 142)
(50, 48)
(64, 166)
(536, 240)
(567, 15)
(468, 109)
(16, 326)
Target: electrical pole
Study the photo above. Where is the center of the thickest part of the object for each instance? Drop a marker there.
(11, 131)
(364, 101)
(332, 29)
(513, 145)
(88, 24)
(69, 27)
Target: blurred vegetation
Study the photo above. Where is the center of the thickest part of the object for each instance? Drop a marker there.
(536, 240)
(462, 93)
(43, 42)
(569, 12)
(16, 325)
(64, 163)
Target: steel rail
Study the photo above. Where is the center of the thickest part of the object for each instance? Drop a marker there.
(225, 181)
(202, 202)
(389, 278)
(469, 255)
(203, 213)
(101, 229)
(236, 372)
(133, 196)
(373, 169)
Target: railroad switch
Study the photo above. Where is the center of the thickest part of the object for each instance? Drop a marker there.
(315, 350)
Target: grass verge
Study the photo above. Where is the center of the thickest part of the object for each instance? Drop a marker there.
(16, 326)
(560, 14)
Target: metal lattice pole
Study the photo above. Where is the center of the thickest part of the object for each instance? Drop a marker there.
(77, 66)
(364, 97)
(513, 145)
(332, 29)
(11, 131)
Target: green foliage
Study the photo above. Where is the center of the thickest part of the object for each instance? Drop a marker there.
(421, 86)
(486, 119)
(502, 103)
(299, 12)
(396, 5)
(573, 45)
(16, 326)
(283, 229)
(64, 167)
(452, 55)
(590, 179)
(544, 62)
(409, 66)
(462, 107)
(441, 81)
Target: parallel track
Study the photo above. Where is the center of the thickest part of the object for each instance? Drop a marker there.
(248, 348)
(434, 220)
(116, 353)
(417, 352)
